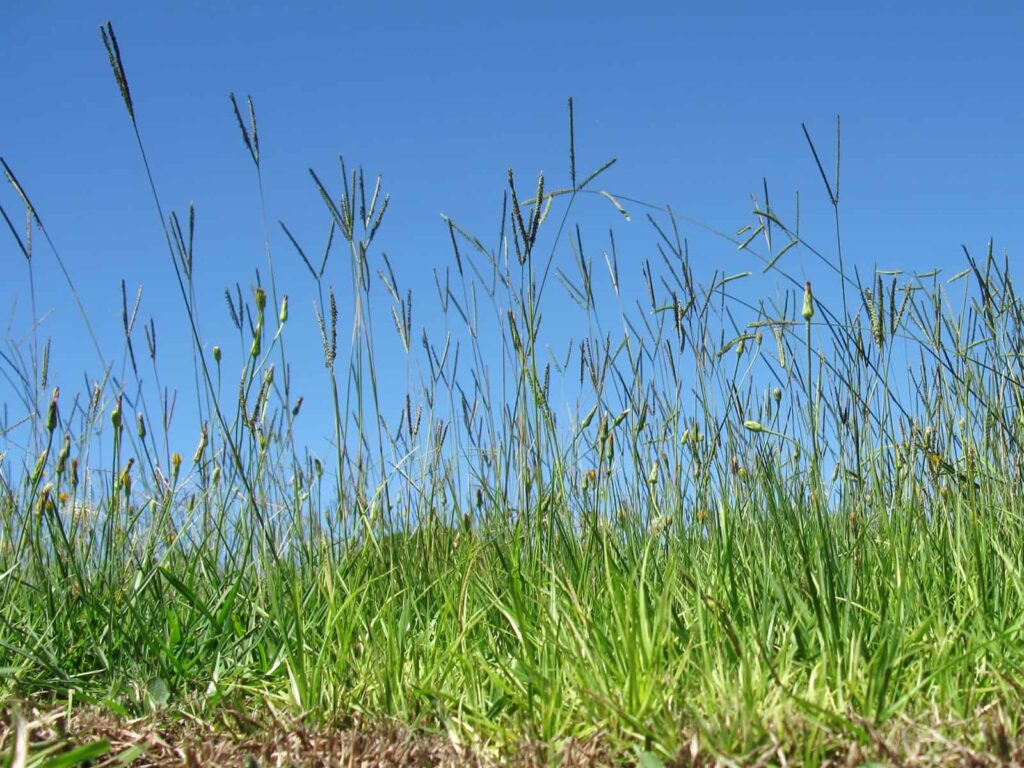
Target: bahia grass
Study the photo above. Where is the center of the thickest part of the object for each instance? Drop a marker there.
(771, 529)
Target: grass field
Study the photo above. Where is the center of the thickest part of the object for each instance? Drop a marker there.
(781, 531)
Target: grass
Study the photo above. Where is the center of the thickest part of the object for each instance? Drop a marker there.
(769, 530)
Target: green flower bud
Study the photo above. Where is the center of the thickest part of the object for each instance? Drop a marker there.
(808, 310)
(62, 456)
(115, 416)
(51, 412)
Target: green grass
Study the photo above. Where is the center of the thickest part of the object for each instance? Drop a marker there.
(774, 526)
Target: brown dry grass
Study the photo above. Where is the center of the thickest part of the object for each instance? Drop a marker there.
(165, 740)
(240, 741)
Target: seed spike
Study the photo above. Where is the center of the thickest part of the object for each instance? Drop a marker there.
(572, 147)
(13, 181)
(821, 168)
(116, 64)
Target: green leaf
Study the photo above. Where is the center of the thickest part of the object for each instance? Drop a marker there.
(158, 691)
(78, 755)
(649, 760)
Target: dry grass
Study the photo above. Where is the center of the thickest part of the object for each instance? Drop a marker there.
(239, 740)
(40, 736)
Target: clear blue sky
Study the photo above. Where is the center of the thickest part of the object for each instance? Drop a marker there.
(698, 102)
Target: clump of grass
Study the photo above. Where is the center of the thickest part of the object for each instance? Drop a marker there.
(769, 529)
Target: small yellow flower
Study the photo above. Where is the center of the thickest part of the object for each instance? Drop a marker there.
(175, 467)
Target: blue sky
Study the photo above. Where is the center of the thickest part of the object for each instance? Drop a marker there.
(698, 101)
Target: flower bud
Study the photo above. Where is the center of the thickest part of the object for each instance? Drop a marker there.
(201, 448)
(37, 472)
(257, 342)
(126, 478)
(51, 412)
(808, 310)
(115, 416)
(62, 456)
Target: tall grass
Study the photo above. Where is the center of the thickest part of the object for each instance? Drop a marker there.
(766, 524)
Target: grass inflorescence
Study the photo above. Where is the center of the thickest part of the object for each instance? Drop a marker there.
(765, 529)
